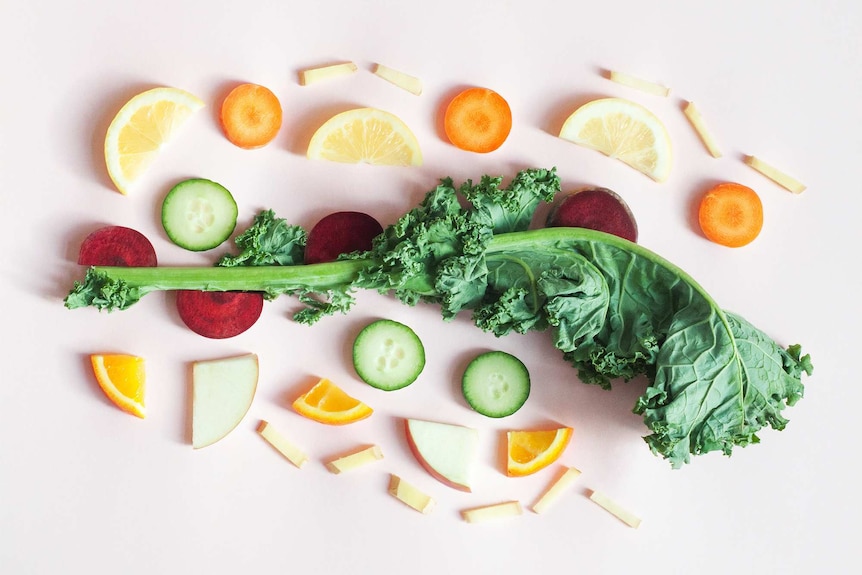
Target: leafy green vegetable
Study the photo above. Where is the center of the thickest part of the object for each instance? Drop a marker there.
(614, 309)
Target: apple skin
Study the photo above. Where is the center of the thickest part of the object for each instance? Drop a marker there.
(417, 452)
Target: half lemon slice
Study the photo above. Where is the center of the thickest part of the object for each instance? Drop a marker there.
(141, 127)
(366, 135)
(624, 130)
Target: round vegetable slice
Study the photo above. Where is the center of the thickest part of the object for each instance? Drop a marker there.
(199, 214)
(731, 214)
(496, 384)
(388, 355)
(117, 246)
(340, 233)
(219, 314)
(250, 116)
(478, 120)
(597, 209)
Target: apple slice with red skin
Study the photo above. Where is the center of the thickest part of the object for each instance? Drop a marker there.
(117, 246)
(219, 314)
(597, 209)
(446, 451)
(340, 233)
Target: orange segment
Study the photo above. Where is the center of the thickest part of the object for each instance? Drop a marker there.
(530, 451)
(123, 379)
(327, 403)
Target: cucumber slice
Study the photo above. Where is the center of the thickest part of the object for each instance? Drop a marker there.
(496, 384)
(388, 355)
(199, 214)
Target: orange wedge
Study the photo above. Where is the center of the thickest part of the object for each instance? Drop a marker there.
(530, 451)
(327, 403)
(123, 379)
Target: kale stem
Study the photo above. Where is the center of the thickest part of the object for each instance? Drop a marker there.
(320, 277)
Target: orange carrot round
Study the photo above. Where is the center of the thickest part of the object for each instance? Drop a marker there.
(731, 214)
(478, 120)
(250, 116)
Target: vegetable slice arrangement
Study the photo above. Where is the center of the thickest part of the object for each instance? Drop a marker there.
(614, 309)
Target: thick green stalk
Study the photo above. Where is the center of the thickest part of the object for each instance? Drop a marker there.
(318, 277)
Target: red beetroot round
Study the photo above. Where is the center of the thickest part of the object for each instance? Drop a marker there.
(219, 314)
(117, 246)
(596, 209)
(340, 233)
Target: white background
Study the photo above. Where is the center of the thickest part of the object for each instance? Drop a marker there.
(85, 487)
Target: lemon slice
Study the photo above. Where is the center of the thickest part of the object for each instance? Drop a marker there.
(365, 135)
(141, 127)
(624, 130)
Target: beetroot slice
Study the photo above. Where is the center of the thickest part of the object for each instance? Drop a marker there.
(117, 246)
(219, 314)
(340, 233)
(596, 209)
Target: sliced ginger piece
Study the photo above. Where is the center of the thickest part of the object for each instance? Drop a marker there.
(355, 459)
(638, 83)
(492, 512)
(328, 72)
(284, 446)
(404, 81)
(782, 179)
(410, 495)
(556, 489)
(615, 509)
(694, 117)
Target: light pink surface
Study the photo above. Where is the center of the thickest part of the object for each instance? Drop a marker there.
(85, 487)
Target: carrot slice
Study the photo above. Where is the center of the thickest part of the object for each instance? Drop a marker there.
(731, 214)
(478, 120)
(250, 116)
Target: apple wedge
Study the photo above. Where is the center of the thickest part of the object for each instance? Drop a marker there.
(222, 392)
(446, 451)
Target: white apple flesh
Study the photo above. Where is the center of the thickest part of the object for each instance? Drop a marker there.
(222, 392)
(446, 451)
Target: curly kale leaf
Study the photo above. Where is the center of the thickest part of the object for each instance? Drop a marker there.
(510, 209)
(269, 241)
(435, 252)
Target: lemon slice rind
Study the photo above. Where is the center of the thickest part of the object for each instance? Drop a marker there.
(624, 130)
(365, 135)
(141, 128)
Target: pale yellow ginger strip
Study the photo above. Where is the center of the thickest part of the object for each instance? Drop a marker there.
(775, 175)
(410, 495)
(556, 489)
(290, 451)
(492, 512)
(319, 74)
(355, 460)
(696, 119)
(400, 79)
(638, 83)
(615, 509)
